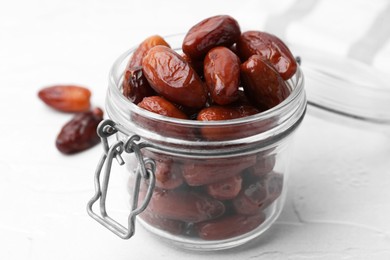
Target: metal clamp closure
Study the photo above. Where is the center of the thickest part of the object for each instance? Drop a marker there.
(146, 168)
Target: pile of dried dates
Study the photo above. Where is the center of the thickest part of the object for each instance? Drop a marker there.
(212, 199)
(221, 74)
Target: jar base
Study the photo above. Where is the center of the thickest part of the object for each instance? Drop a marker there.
(197, 244)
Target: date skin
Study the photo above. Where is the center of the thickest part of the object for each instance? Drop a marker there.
(187, 206)
(226, 189)
(173, 78)
(197, 65)
(79, 133)
(161, 106)
(274, 182)
(229, 226)
(172, 226)
(66, 98)
(270, 48)
(258, 194)
(251, 199)
(135, 85)
(220, 30)
(262, 83)
(264, 165)
(168, 174)
(143, 48)
(200, 172)
(219, 113)
(222, 75)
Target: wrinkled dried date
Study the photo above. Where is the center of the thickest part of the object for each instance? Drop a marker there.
(217, 113)
(185, 206)
(173, 78)
(200, 172)
(136, 86)
(274, 183)
(220, 30)
(172, 226)
(264, 165)
(226, 189)
(66, 98)
(229, 226)
(226, 132)
(222, 75)
(161, 106)
(262, 83)
(197, 65)
(80, 133)
(143, 48)
(270, 48)
(170, 129)
(257, 195)
(251, 198)
(168, 174)
(192, 113)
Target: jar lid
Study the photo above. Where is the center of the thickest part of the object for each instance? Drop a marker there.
(345, 86)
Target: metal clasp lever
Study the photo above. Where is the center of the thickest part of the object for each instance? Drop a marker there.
(145, 170)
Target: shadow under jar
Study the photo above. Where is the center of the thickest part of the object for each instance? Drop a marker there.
(208, 195)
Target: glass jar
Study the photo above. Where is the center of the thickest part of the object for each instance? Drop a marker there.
(199, 185)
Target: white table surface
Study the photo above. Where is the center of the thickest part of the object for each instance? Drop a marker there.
(338, 204)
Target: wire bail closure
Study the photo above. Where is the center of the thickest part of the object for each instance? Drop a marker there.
(146, 168)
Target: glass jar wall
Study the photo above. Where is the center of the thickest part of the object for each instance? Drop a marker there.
(218, 184)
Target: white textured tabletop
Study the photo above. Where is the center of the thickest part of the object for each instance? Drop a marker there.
(338, 201)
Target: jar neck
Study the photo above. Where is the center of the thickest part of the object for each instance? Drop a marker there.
(216, 150)
(286, 120)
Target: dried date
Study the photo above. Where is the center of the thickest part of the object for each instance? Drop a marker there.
(220, 30)
(274, 183)
(135, 85)
(143, 48)
(264, 165)
(172, 226)
(251, 198)
(161, 106)
(173, 78)
(226, 189)
(80, 132)
(259, 194)
(229, 226)
(270, 48)
(200, 172)
(66, 98)
(262, 83)
(185, 206)
(222, 75)
(197, 65)
(226, 132)
(168, 174)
